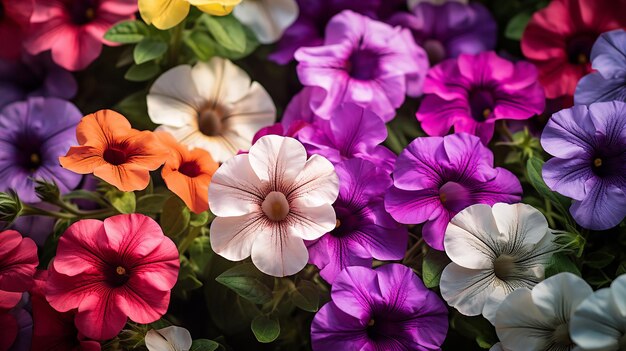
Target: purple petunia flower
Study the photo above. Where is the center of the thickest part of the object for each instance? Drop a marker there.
(437, 177)
(388, 308)
(351, 132)
(450, 29)
(364, 230)
(472, 92)
(363, 61)
(589, 164)
(34, 76)
(308, 29)
(608, 83)
(34, 134)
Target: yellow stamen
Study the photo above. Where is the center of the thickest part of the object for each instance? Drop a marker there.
(486, 112)
(120, 270)
(582, 59)
(34, 159)
(597, 162)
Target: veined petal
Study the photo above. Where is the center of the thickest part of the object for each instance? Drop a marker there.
(316, 185)
(310, 223)
(470, 239)
(467, 290)
(172, 337)
(101, 307)
(233, 237)
(278, 253)
(235, 189)
(277, 160)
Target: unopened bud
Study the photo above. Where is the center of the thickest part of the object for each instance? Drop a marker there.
(10, 207)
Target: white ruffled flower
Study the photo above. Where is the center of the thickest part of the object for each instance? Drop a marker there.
(168, 339)
(268, 19)
(538, 319)
(493, 251)
(599, 323)
(213, 106)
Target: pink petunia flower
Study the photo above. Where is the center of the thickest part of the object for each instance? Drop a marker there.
(14, 16)
(18, 261)
(122, 267)
(74, 29)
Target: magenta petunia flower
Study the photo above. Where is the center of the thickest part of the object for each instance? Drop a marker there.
(474, 91)
(18, 262)
(363, 61)
(364, 229)
(14, 25)
(384, 309)
(351, 132)
(437, 177)
(108, 271)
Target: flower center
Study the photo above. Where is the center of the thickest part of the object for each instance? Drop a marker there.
(454, 196)
(609, 160)
(481, 103)
(190, 168)
(275, 206)
(363, 64)
(117, 275)
(561, 335)
(34, 161)
(504, 266)
(578, 48)
(210, 120)
(347, 222)
(82, 11)
(435, 50)
(114, 156)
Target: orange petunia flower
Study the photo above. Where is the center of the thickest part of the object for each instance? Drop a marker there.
(187, 173)
(115, 152)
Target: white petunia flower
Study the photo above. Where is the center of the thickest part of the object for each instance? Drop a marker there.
(493, 251)
(268, 19)
(269, 201)
(498, 347)
(538, 320)
(168, 339)
(213, 106)
(599, 323)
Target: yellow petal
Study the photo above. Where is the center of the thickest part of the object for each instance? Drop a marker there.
(163, 14)
(215, 7)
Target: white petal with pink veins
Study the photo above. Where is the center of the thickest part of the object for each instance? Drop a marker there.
(278, 160)
(278, 253)
(310, 223)
(317, 184)
(235, 189)
(233, 237)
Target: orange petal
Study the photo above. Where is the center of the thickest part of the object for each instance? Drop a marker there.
(204, 159)
(102, 129)
(125, 177)
(193, 191)
(145, 150)
(82, 159)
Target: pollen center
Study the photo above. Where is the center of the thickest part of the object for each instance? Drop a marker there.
(114, 156)
(597, 162)
(210, 119)
(275, 206)
(561, 335)
(504, 266)
(190, 168)
(120, 270)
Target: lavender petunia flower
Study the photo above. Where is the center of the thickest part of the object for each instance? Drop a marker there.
(589, 164)
(384, 309)
(473, 91)
(437, 177)
(363, 61)
(450, 29)
(364, 230)
(351, 132)
(34, 76)
(608, 83)
(34, 134)
(308, 29)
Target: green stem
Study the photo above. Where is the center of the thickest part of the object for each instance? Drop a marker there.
(176, 43)
(186, 242)
(34, 211)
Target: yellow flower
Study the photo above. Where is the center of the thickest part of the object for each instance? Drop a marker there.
(165, 14)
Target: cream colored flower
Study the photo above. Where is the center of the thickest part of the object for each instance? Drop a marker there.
(268, 19)
(165, 14)
(168, 339)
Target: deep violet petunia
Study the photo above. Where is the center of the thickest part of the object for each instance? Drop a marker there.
(15, 330)
(34, 76)
(14, 26)
(351, 132)
(388, 308)
(474, 91)
(437, 177)
(109, 271)
(308, 29)
(18, 261)
(608, 82)
(34, 134)
(558, 39)
(364, 229)
(449, 29)
(365, 62)
(589, 164)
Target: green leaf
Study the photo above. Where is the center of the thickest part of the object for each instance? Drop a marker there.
(306, 296)
(123, 202)
(477, 328)
(151, 203)
(127, 32)
(135, 108)
(599, 259)
(227, 31)
(265, 329)
(204, 345)
(187, 280)
(534, 167)
(433, 264)
(199, 219)
(560, 263)
(515, 27)
(247, 281)
(149, 49)
(200, 253)
(175, 217)
(143, 72)
(201, 44)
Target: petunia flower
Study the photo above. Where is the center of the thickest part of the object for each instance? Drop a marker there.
(474, 91)
(14, 26)
(363, 230)
(589, 164)
(171, 338)
(34, 133)
(114, 152)
(187, 173)
(608, 83)
(365, 62)
(435, 178)
(413, 3)
(599, 322)
(74, 30)
(538, 319)
(388, 308)
(268, 19)
(493, 251)
(351, 132)
(269, 201)
(15, 330)
(558, 40)
(165, 14)
(213, 106)
(18, 261)
(449, 29)
(108, 271)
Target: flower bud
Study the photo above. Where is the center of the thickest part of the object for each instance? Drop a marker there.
(10, 207)
(48, 192)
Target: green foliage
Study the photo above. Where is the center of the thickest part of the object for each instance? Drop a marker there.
(247, 281)
(127, 32)
(175, 217)
(432, 266)
(151, 203)
(306, 296)
(477, 328)
(200, 254)
(149, 49)
(515, 27)
(204, 345)
(187, 279)
(560, 202)
(122, 201)
(201, 44)
(265, 329)
(226, 35)
(142, 72)
(559, 263)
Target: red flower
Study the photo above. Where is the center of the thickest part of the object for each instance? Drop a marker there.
(558, 39)
(14, 22)
(18, 261)
(8, 331)
(122, 267)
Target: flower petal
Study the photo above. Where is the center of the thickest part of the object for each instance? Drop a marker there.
(235, 188)
(470, 239)
(278, 253)
(467, 290)
(233, 237)
(277, 160)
